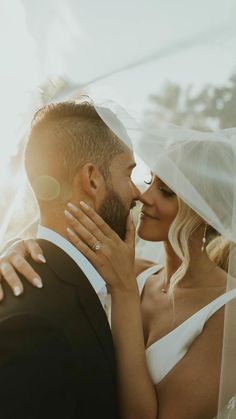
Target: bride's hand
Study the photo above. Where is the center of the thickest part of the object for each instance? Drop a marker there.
(14, 262)
(114, 258)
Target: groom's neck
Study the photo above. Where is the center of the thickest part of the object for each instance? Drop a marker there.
(55, 221)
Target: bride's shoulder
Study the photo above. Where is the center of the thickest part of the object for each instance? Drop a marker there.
(142, 264)
(217, 278)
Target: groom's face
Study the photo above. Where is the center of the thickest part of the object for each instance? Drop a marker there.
(121, 193)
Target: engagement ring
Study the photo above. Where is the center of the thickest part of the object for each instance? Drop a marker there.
(96, 246)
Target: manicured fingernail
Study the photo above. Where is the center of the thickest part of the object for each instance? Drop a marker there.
(70, 232)
(41, 258)
(72, 206)
(37, 282)
(69, 215)
(17, 291)
(84, 205)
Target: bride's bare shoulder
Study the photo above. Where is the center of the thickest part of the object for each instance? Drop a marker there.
(142, 264)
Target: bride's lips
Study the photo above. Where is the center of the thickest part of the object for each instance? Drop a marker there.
(145, 216)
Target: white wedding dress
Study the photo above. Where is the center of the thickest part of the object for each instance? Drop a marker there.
(167, 351)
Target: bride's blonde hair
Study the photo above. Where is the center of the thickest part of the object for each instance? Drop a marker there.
(184, 224)
(218, 251)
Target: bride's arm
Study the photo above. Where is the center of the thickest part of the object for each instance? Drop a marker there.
(137, 395)
(115, 262)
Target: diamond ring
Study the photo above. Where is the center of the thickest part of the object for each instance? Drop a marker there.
(96, 246)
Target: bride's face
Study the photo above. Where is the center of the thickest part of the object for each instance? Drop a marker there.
(159, 209)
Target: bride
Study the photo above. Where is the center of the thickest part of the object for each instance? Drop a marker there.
(175, 335)
(167, 324)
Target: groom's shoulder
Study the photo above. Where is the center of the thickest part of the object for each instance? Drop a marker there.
(56, 259)
(57, 293)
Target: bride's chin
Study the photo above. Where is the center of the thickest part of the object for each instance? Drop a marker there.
(144, 234)
(147, 234)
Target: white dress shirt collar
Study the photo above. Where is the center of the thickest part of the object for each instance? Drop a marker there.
(88, 269)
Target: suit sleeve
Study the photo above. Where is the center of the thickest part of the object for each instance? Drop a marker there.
(37, 370)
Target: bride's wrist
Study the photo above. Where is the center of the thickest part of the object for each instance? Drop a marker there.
(124, 292)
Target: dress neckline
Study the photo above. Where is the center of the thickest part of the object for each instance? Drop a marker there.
(197, 313)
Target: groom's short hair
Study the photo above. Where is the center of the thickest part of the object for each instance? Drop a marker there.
(65, 136)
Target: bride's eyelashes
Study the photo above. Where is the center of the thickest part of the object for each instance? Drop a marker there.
(166, 193)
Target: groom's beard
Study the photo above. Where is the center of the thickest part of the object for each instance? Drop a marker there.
(113, 211)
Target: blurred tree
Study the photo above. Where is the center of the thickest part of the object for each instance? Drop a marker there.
(213, 107)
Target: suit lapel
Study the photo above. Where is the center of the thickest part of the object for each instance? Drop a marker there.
(67, 270)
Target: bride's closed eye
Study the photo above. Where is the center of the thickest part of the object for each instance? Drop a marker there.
(164, 189)
(166, 193)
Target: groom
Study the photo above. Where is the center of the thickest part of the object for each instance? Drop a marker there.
(56, 353)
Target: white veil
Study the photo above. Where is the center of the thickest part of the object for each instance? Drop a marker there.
(124, 52)
(56, 50)
(201, 168)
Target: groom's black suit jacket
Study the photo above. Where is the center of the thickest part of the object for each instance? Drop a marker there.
(56, 353)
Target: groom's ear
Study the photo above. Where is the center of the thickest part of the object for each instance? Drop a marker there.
(90, 181)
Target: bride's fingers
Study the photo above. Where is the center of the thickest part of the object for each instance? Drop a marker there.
(130, 232)
(83, 247)
(86, 229)
(93, 216)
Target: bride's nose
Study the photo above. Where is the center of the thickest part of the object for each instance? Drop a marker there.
(146, 197)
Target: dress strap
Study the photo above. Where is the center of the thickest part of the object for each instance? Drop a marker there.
(219, 302)
(143, 276)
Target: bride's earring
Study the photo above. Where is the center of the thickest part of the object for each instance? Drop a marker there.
(204, 239)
